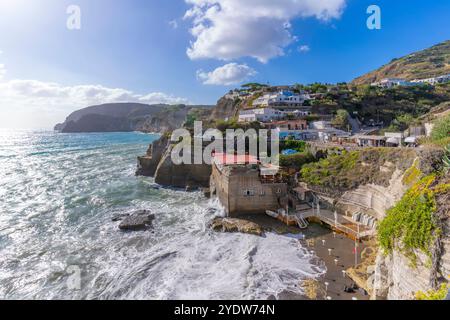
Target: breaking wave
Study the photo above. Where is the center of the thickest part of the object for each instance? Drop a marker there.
(58, 193)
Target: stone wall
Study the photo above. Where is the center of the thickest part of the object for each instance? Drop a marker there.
(188, 176)
(240, 190)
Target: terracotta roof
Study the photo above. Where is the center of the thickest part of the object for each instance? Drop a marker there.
(230, 159)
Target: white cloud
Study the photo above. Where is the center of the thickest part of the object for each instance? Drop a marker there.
(226, 75)
(2, 71)
(230, 29)
(2, 68)
(304, 48)
(32, 104)
(173, 24)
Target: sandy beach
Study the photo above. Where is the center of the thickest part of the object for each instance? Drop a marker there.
(341, 257)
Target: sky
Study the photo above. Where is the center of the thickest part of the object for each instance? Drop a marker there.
(57, 56)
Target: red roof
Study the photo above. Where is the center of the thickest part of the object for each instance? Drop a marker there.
(230, 159)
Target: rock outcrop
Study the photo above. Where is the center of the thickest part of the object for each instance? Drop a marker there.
(148, 164)
(127, 117)
(139, 220)
(236, 225)
(187, 176)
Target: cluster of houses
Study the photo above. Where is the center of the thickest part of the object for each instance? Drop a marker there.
(293, 125)
(394, 82)
(270, 114)
(283, 98)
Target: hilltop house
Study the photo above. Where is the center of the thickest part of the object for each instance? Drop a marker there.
(298, 124)
(260, 114)
(370, 141)
(245, 186)
(281, 99)
(433, 81)
(391, 82)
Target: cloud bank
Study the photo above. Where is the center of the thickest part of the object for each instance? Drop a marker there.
(2, 71)
(37, 104)
(226, 75)
(231, 29)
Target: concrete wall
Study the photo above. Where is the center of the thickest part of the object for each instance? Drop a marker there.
(241, 191)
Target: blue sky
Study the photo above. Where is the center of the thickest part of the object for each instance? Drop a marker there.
(131, 50)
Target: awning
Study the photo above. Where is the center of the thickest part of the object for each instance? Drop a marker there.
(411, 140)
(392, 141)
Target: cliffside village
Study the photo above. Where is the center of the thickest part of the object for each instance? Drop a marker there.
(246, 186)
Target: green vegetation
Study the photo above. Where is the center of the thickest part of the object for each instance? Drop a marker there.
(441, 130)
(323, 172)
(400, 106)
(412, 174)
(296, 161)
(296, 145)
(223, 125)
(410, 225)
(439, 294)
(344, 170)
(446, 160)
(254, 86)
(341, 119)
(434, 61)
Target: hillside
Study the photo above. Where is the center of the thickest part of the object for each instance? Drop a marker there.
(126, 117)
(431, 62)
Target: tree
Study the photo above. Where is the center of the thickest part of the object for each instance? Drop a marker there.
(341, 119)
(441, 129)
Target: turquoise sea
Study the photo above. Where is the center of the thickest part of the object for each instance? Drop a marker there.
(58, 194)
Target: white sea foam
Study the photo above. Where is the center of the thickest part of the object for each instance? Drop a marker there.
(57, 209)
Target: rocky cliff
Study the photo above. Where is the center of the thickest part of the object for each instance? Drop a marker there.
(375, 183)
(157, 162)
(126, 117)
(187, 176)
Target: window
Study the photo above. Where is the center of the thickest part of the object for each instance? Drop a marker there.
(249, 193)
(278, 191)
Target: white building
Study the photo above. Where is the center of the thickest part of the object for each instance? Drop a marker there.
(391, 82)
(260, 114)
(321, 125)
(282, 98)
(434, 81)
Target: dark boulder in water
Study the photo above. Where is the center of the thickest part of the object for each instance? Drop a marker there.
(139, 220)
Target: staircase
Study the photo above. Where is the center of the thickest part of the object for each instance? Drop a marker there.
(301, 221)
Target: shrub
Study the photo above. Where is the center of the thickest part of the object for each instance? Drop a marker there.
(296, 161)
(439, 294)
(296, 145)
(441, 129)
(410, 224)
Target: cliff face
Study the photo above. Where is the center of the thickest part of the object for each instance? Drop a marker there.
(393, 275)
(126, 117)
(225, 108)
(158, 163)
(108, 118)
(148, 164)
(188, 176)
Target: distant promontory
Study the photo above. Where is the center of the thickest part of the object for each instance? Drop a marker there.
(127, 117)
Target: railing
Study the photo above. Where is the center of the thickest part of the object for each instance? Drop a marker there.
(334, 223)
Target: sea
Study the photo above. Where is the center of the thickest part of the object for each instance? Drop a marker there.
(58, 195)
